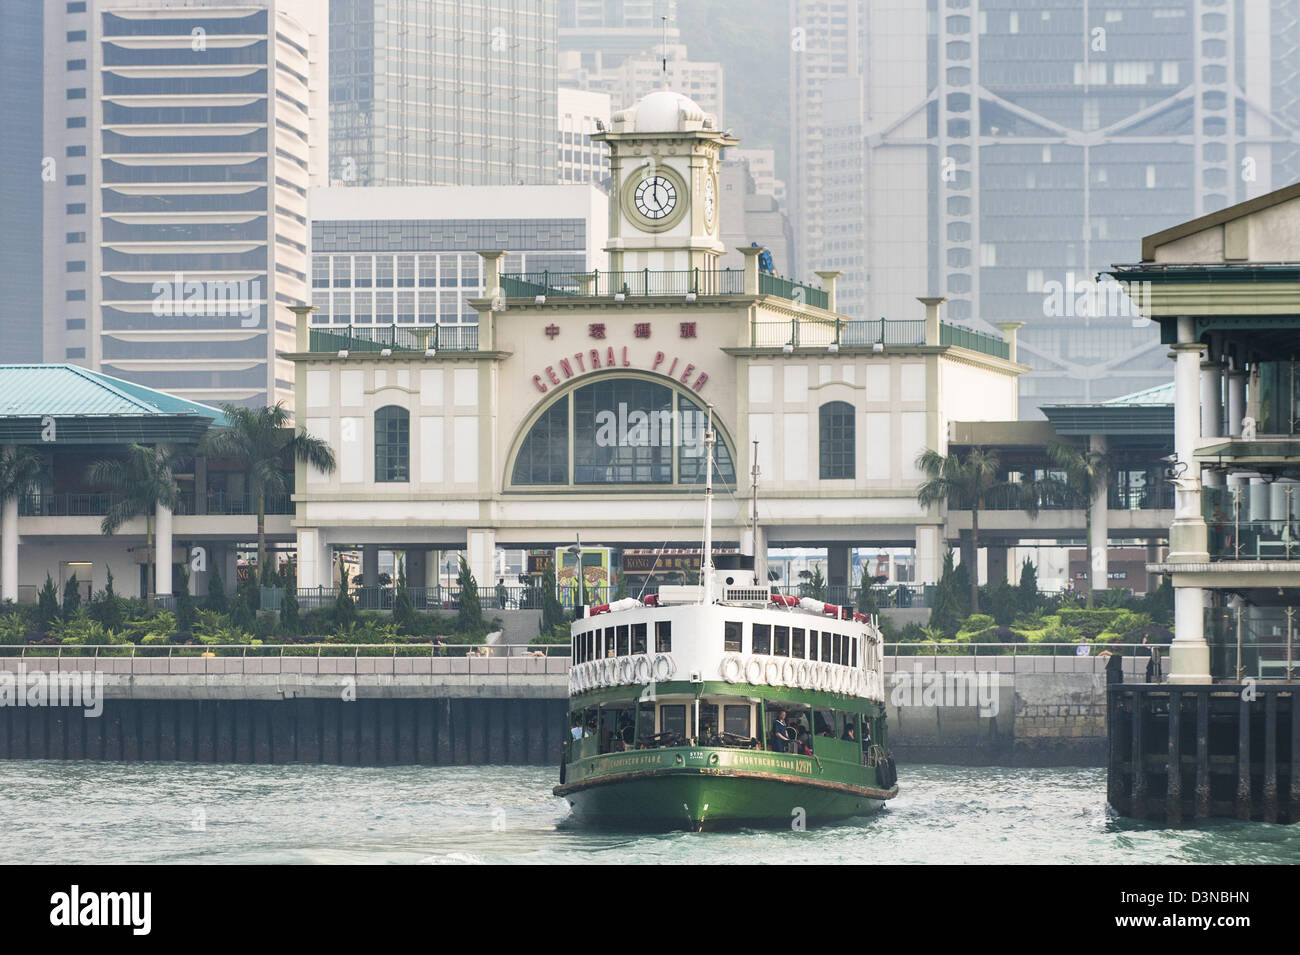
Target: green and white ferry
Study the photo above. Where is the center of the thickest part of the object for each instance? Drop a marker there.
(675, 706)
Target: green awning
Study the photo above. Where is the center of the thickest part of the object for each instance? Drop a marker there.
(1247, 451)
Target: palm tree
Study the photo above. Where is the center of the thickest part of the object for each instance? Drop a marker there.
(19, 468)
(1085, 473)
(259, 439)
(969, 481)
(143, 480)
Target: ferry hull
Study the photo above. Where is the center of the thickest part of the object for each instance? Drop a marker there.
(701, 800)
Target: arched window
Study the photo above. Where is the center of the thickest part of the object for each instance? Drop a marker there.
(838, 441)
(619, 430)
(392, 445)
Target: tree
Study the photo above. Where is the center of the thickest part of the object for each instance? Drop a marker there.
(553, 614)
(47, 606)
(260, 439)
(1084, 474)
(1027, 599)
(71, 597)
(470, 617)
(216, 592)
(107, 607)
(866, 600)
(19, 469)
(185, 614)
(345, 608)
(946, 616)
(970, 482)
(404, 618)
(817, 583)
(143, 479)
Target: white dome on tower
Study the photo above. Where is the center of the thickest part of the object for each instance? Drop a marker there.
(663, 111)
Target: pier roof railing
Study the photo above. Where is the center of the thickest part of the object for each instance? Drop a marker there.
(649, 283)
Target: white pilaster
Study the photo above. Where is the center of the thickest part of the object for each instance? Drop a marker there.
(1099, 560)
(162, 554)
(928, 560)
(9, 550)
(481, 547)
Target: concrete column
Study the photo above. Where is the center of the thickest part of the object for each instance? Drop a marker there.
(9, 550)
(997, 561)
(370, 565)
(932, 318)
(1211, 399)
(1152, 556)
(415, 567)
(1236, 400)
(838, 563)
(315, 559)
(432, 558)
(1010, 332)
(751, 253)
(302, 325)
(1188, 540)
(828, 277)
(481, 548)
(162, 540)
(929, 560)
(1099, 509)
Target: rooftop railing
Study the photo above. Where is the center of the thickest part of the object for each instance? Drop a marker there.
(375, 338)
(656, 282)
(814, 331)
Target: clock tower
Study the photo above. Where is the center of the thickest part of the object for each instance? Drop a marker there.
(664, 203)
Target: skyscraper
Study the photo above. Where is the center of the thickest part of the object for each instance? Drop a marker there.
(442, 92)
(1007, 155)
(22, 170)
(176, 232)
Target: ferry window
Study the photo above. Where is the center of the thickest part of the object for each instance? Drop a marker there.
(762, 638)
(732, 633)
(837, 645)
(853, 651)
(591, 644)
(844, 649)
(796, 649)
(708, 720)
(826, 647)
(663, 636)
(782, 641)
(609, 642)
(812, 644)
(638, 637)
(672, 719)
(737, 720)
(622, 641)
(824, 723)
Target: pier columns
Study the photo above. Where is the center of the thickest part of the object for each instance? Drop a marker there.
(369, 565)
(481, 550)
(162, 553)
(1099, 557)
(9, 550)
(929, 559)
(996, 561)
(1189, 655)
(315, 559)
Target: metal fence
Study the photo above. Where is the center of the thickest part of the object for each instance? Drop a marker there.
(375, 338)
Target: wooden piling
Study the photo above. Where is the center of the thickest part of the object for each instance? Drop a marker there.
(1243, 761)
(1269, 794)
(1174, 769)
(1202, 795)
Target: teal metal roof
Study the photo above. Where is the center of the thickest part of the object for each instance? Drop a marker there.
(73, 391)
(1159, 395)
(90, 407)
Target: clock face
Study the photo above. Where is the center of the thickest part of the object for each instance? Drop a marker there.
(655, 197)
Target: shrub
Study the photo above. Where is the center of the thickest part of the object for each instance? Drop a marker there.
(1089, 622)
(1027, 596)
(107, 607)
(71, 597)
(47, 606)
(469, 619)
(947, 613)
(216, 601)
(345, 608)
(404, 618)
(1003, 601)
(290, 623)
(184, 602)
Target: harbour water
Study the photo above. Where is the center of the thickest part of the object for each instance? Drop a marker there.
(89, 813)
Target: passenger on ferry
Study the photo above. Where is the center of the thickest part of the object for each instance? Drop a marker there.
(781, 738)
(848, 733)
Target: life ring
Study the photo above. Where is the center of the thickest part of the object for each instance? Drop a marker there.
(803, 675)
(772, 673)
(788, 673)
(625, 670)
(606, 672)
(730, 668)
(823, 677)
(663, 668)
(754, 671)
(837, 679)
(642, 670)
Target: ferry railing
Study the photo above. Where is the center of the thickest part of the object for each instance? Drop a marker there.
(391, 659)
